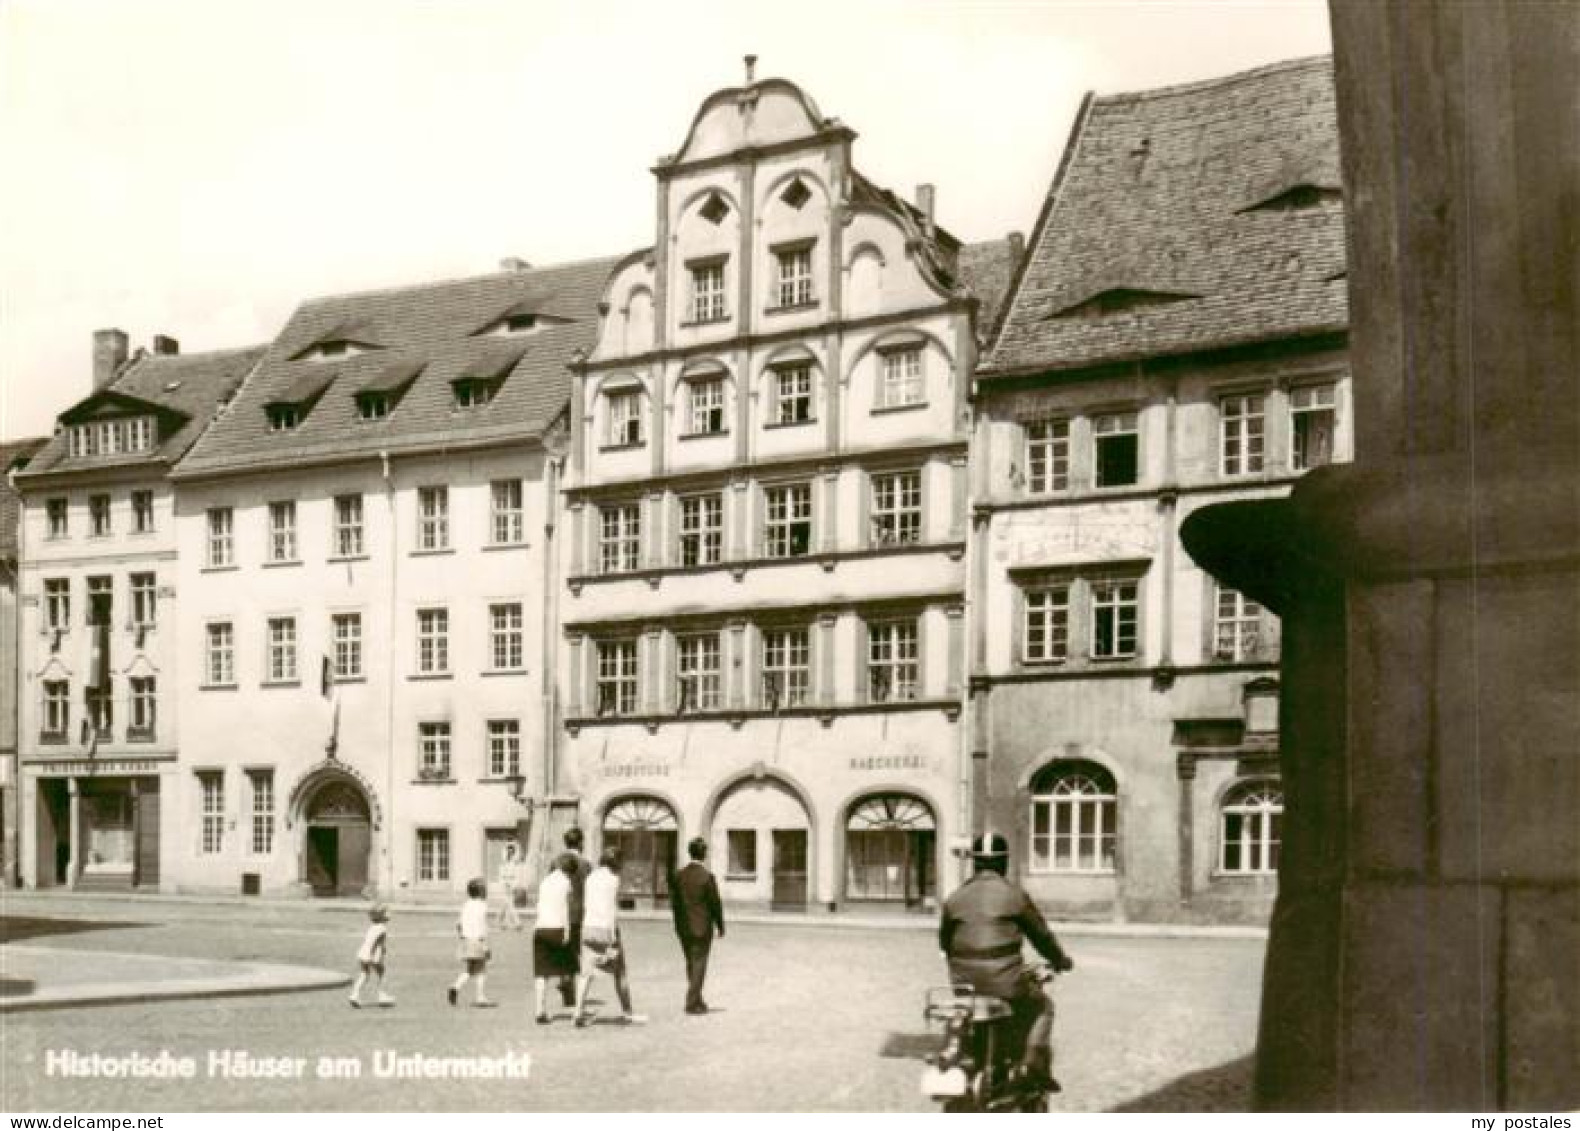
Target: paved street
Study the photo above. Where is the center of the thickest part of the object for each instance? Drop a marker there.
(808, 1018)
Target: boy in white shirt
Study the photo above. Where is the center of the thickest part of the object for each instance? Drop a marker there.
(602, 948)
(553, 956)
(472, 927)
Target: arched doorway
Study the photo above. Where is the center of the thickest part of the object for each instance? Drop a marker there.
(891, 845)
(337, 838)
(645, 831)
(760, 839)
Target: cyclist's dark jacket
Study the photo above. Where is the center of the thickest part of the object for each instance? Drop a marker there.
(983, 925)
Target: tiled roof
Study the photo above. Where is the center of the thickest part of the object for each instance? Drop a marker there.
(194, 385)
(17, 451)
(425, 333)
(1158, 197)
(985, 270)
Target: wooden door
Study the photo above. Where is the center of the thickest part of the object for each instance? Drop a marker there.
(789, 875)
(323, 859)
(146, 864)
(356, 842)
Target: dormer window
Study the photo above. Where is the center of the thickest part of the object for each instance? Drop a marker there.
(715, 209)
(1297, 198)
(520, 323)
(1119, 300)
(332, 349)
(284, 417)
(373, 406)
(474, 392)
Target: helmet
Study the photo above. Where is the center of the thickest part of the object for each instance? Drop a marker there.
(989, 846)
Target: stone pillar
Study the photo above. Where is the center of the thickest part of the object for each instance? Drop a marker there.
(1425, 949)
(74, 830)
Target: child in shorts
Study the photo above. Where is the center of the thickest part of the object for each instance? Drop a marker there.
(370, 957)
(472, 927)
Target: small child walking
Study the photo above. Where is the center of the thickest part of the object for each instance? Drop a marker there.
(371, 958)
(472, 927)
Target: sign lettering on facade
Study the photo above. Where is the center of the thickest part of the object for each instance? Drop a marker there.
(894, 762)
(635, 770)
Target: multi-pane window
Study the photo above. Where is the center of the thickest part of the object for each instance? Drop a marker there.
(373, 405)
(101, 596)
(348, 526)
(1073, 819)
(144, 707)
(701, 529)
(1047, 624)
(505, 524)
(433, 855)
(625, 419)
(433, 750)
(1237, 626)
(620, 537)
(1115, 615)
(282, 532)
(98, 515)
(616, 677)
(219, 664)
(1240, 437)
(504, 748)
(145, 600)
(433, 641)
(211, 791)
(707, 291)
(57, 709)
(794, 283)
(346, 634)
(1116, 441)
(57, 604)
(892, 661)
(897, 508)
(1253, 815)
(474, 392)
(787, 526)
(505, 652)
(787, 667)
(792, 394)
(706, 402)
(283, 417)
(1047, 456)
(139, 433)
(56, 513)
(1313, 424)
(221, 536)
(697, 672)
(433, 518)
(900, 382)
(101, 710)
(261, 783)
(282, 666)
(142, 512)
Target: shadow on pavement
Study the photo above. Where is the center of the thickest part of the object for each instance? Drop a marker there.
(910, 1046)
(1226, 1087)
(14, 928)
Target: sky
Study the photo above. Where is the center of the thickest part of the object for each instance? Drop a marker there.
(198, 168)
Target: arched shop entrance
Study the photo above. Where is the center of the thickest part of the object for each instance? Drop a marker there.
(891, 846)
(761, 842)
(337, 838)
(646, 832)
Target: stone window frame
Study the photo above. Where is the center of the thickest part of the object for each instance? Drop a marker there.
(1053, 787)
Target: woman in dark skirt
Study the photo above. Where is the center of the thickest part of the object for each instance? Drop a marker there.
(553, 956)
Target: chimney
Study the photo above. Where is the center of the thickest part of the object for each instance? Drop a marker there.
(751, 69)
(924, 201)
(165, 346)
(1017, 248)
(109, 354)
(512, 263)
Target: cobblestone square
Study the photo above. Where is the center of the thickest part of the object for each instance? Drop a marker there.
(808, 1017)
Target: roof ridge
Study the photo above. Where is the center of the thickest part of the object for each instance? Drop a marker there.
(403, 288)
(1218, 82)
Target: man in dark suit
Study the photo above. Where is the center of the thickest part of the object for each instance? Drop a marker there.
(694, 898)
(578, 907)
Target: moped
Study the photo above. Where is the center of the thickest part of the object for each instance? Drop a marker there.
(977, 1067)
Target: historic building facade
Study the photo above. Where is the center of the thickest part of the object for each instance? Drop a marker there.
(13, 457)
(98, 739)
(1175, 338)
(765, 512)
(365, 558)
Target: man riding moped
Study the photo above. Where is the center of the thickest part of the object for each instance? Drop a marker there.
(984, 924)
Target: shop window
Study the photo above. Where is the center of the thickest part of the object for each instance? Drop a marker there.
(742, 845)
